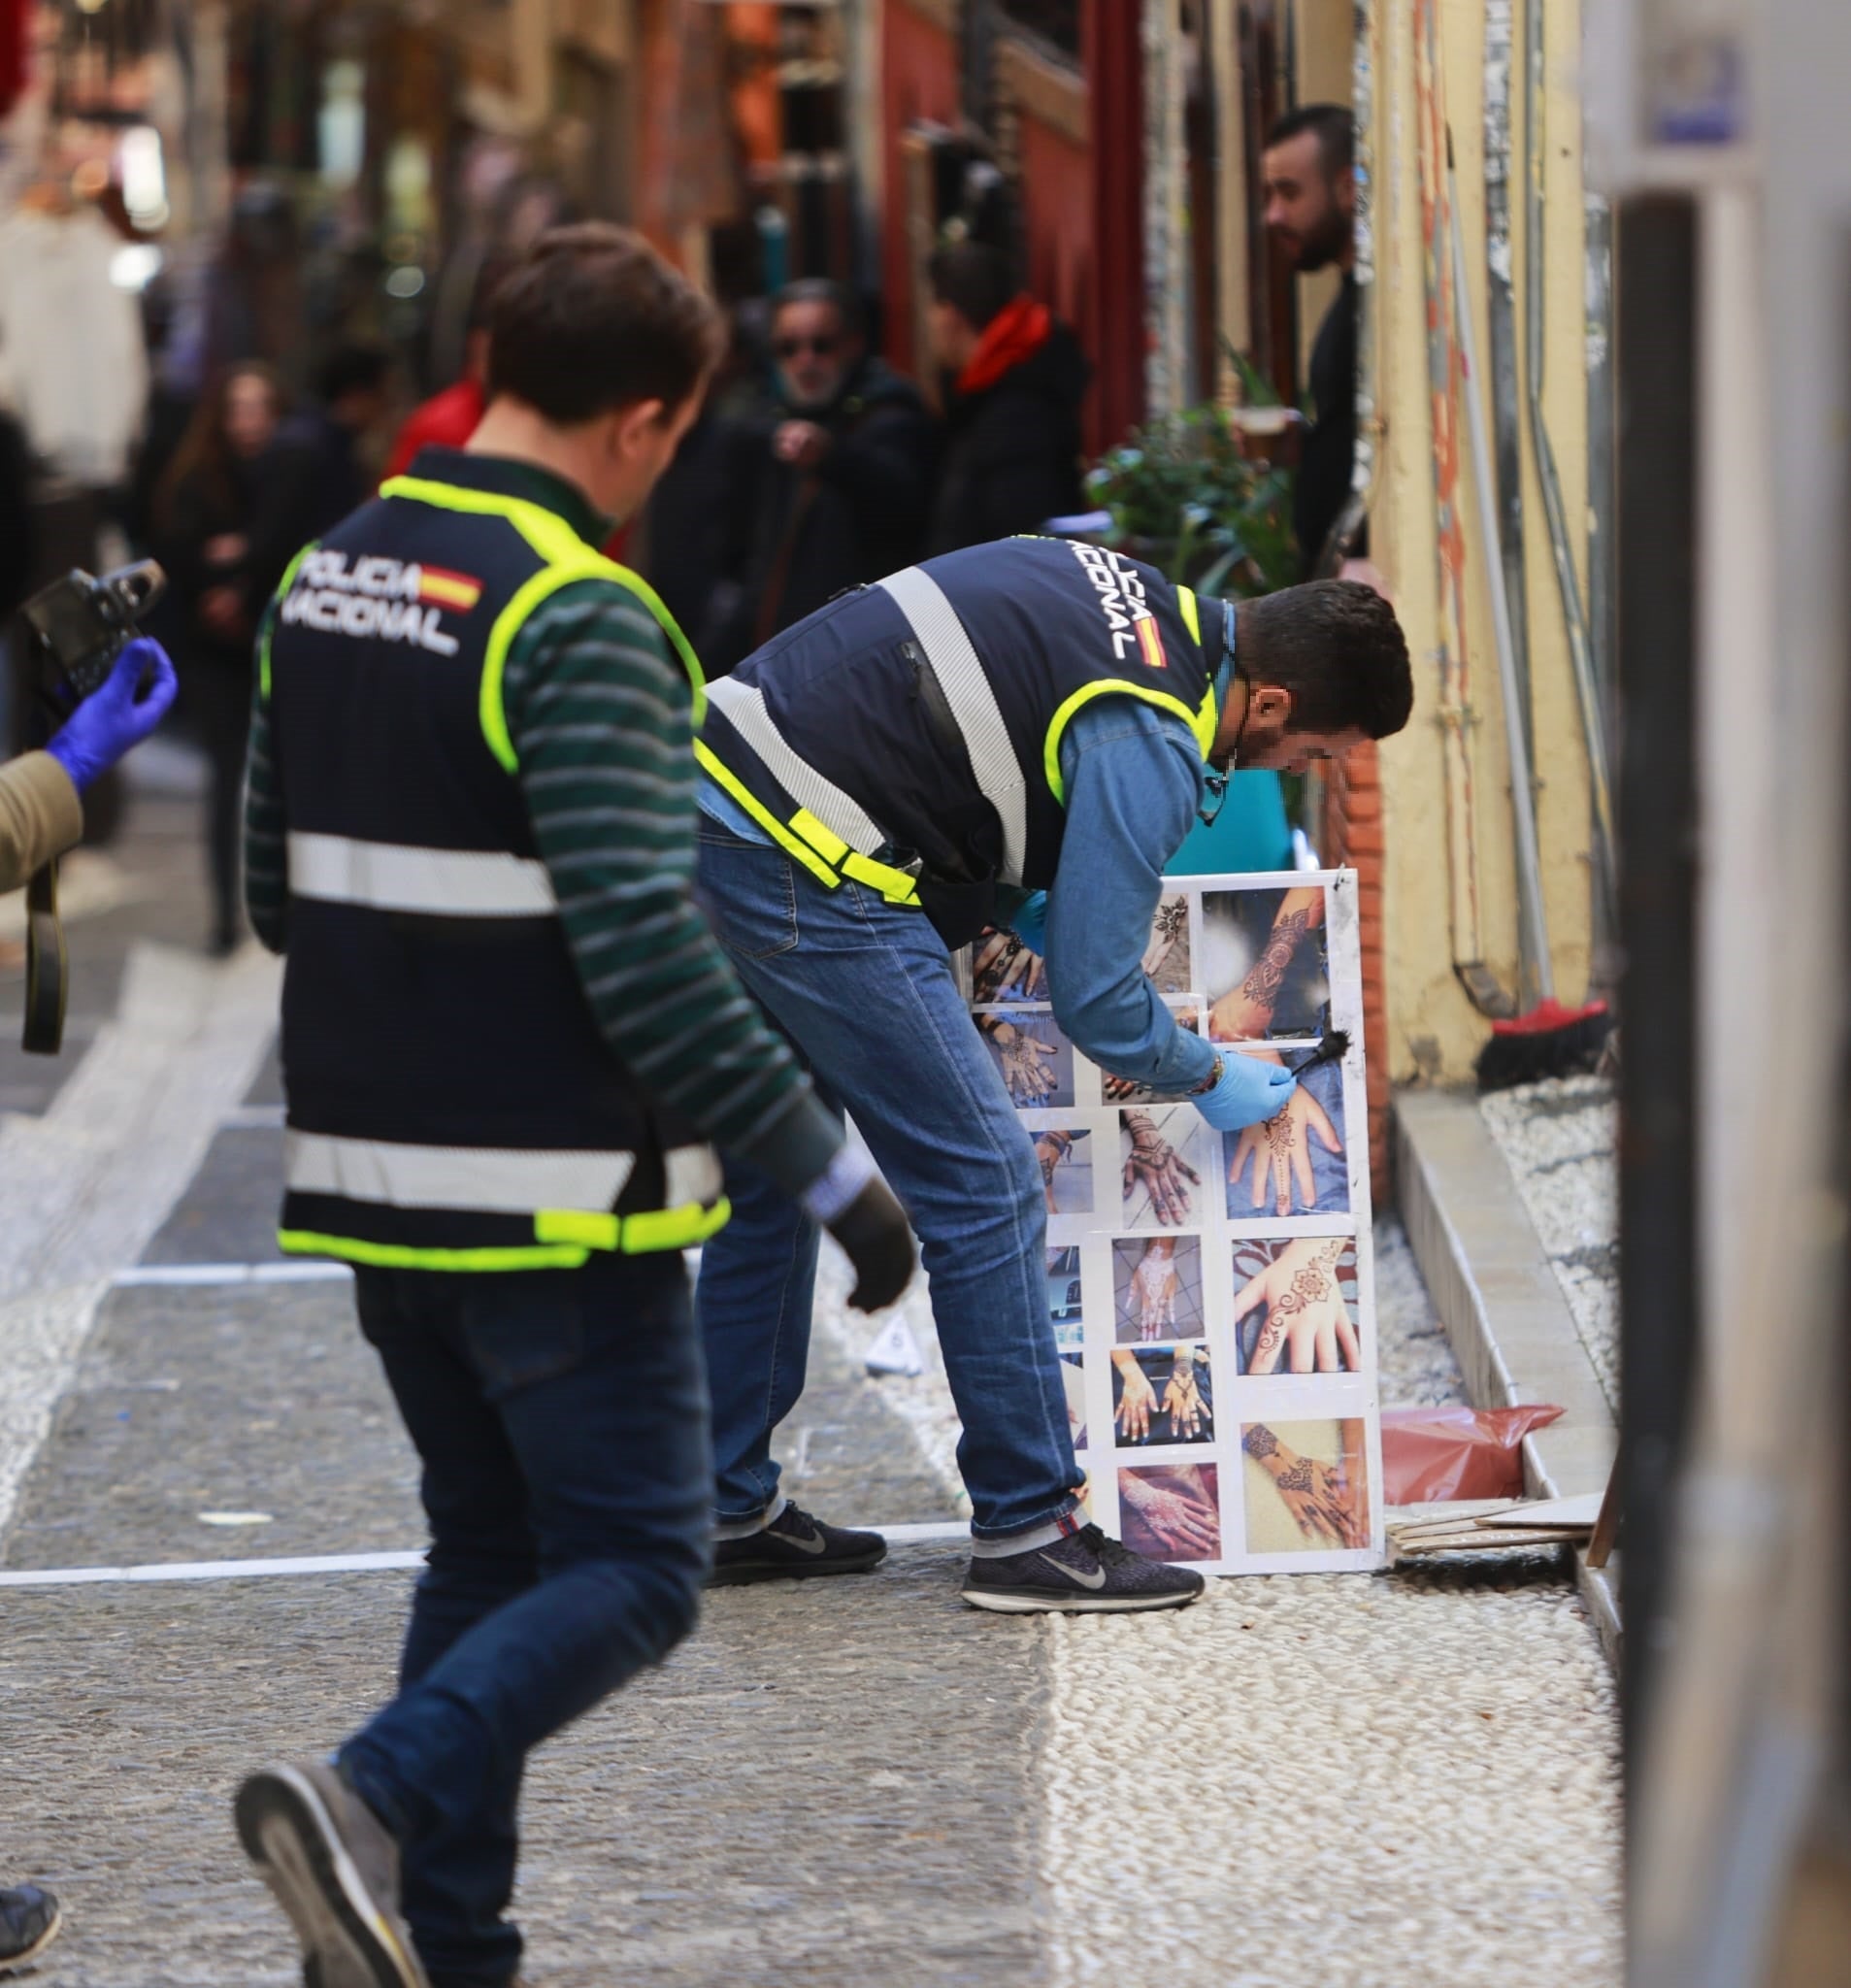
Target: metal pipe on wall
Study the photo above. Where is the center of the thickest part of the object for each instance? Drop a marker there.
(1534, 290)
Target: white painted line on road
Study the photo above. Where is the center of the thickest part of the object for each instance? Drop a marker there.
(209, 1569)
(311, 1272)
(334, 1563)
(253, 1118)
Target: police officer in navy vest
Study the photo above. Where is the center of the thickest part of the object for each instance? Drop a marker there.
(1021, 732)
(507, 1036)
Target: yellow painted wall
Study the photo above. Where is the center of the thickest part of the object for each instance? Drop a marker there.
(1435, 1031)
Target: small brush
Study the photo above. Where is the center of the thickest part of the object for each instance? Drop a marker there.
(1335, 1046)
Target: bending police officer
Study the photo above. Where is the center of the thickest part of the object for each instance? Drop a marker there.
(507, 1036)
(882, 781)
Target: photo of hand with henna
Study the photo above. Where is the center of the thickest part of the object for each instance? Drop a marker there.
(1171, 1511)
(1065, 1156)
(1307, 1484)
(1264, 967)
(1033, 1058)
(1003, 969)
(1162, 1149)
(1293, 1311)
(1293, 1163)
(1128, 1090)
(1161, 1394)
(1167, 958)
(1157, 1285)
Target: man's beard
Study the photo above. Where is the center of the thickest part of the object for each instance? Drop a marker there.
(1326, 243)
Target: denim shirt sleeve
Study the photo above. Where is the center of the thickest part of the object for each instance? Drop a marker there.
(1134, 780)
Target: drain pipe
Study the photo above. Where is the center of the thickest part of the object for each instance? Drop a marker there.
(1587, 689)
(1455, 713)
(1507, 413)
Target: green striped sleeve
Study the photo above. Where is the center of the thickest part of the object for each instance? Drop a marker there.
(600, 715)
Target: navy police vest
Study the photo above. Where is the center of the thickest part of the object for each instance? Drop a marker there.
(453, 1102)
(927, 765)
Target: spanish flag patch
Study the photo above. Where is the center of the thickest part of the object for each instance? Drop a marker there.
(1151, 640)
(457, 591)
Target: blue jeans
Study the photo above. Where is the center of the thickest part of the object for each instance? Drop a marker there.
(865, 992)
(561, 1417)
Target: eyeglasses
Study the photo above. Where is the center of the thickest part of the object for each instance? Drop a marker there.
(795, 348)
(1217, 798)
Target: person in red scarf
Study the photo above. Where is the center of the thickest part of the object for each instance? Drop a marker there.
(1011, 441)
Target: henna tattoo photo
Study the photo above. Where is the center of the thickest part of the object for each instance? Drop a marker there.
(1306, 1486)
(1171, 1511)
(1167, 958)
(1295, 1163)
(1065, 1156)
(1161, 1395)
(1264, 964)
(1030, 1055)
(1157, 1287)
(1295, 1305)
(1163, 1153)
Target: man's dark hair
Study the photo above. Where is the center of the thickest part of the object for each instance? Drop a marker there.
(592, 318)
(1335, 129)
(1336, 646)
(820, 290)
(977, 281)
(353, 369)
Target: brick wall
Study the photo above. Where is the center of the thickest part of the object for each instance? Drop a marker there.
(1354, 836)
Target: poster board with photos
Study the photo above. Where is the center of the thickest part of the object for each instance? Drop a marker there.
(1212, 1294)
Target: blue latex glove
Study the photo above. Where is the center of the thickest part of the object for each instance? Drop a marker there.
(1246, 1091)
(1029, 923)
(117, 714)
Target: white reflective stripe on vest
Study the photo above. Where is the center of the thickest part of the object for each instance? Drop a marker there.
(484, 1179)
(745, 706)
(691, 1173)
(966, 690)
(394, 876)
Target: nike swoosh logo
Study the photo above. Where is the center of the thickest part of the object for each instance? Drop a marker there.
(1095, 1579)
(814, 1544)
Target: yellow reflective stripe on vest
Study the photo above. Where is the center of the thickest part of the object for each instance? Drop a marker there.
(283, 585)
(1191, 614)
(568, 558)
(1200, 721)
(403, 1256)
(814, 843)
(763, 815)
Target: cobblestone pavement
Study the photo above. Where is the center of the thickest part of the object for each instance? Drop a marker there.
(1351, 1780)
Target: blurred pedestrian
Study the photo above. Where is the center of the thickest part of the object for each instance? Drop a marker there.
(322, 450)
(826, 484)
(507, 1030)
(447, 420)
(221, 565)
(1310, 212)
(1013, 441)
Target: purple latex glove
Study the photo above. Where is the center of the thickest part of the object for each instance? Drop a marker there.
(117, 714)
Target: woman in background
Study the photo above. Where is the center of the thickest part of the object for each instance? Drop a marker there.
(209, 533)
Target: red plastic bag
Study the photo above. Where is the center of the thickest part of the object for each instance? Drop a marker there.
(1433, 1454)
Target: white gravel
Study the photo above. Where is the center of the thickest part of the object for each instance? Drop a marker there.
(1557, 1139)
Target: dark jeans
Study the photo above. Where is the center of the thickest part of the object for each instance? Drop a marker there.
(561, 1416)
(218, 694)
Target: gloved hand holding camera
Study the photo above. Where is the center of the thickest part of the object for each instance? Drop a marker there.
(119, 714)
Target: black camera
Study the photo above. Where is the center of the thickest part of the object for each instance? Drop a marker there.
(78, 627)
(80, 624)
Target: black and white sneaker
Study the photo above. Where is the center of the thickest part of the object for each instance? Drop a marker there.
(794, 1546)
(334, 1867)
(29, 1922)
(1085, 1573)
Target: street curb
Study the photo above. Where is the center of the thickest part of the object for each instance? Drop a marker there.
(1497, 1295)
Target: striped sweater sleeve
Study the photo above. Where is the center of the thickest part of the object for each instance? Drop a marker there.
(600, 718)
